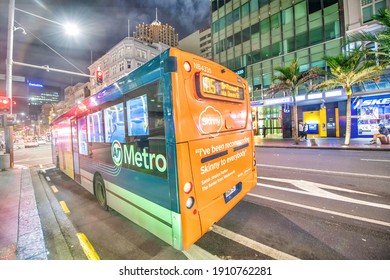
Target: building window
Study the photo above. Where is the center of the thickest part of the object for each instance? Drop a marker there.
(141, 53)
(121, 66)
(371, 7)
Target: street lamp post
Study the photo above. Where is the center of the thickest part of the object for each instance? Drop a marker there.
(8, 130)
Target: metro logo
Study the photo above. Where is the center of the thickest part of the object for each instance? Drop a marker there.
(144, 159)
(379, 101)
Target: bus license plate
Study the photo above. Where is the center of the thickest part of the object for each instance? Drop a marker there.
(232, 192)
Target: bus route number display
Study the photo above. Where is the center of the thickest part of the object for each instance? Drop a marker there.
(213, 86)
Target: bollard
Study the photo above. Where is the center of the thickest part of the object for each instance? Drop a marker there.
(5, 162)
(313, 142)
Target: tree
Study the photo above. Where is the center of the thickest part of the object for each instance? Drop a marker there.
(381, 38)
(290, 79)
(346, 70)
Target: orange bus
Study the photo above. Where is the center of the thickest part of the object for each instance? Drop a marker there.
(169, 146)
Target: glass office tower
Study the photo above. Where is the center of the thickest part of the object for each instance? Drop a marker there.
(258, 35)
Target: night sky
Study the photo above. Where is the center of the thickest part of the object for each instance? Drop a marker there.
(103, 24)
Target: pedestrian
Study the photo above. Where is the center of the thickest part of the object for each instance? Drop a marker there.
(383, 132)
(305, 128)
(264, 131)
(300, 131)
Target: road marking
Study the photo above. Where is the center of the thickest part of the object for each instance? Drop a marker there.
(88, 249)
(64, 207)
(197, 253)
(261, 248)
(54, 189)
(323, 210)
(316, 189)
(41, 166)
(323, 186)
(380, 160)
(48, 179)
(324, 171)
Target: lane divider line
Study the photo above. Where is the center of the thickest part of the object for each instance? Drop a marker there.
(54, 189)
(261, 248)
(88, 249)
(368, 220)
(48, 179)
(324, 171)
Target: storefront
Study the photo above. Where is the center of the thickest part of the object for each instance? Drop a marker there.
(271, 120)
(368, 112)
(323, 112)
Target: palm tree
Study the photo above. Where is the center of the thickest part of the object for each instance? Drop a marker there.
(290, 79)
(346, 70)
(382, 37)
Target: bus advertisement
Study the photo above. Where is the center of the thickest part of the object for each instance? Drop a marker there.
(169, 146)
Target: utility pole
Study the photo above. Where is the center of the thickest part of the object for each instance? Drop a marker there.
(9, 130)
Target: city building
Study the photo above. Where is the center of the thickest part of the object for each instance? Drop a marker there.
(252, 37)
(198, 43)
(124, 57)
(156, 32)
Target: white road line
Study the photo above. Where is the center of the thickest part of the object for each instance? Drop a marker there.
(324, 171)
(319, 190)
(380, 160)
(322, 186)
(323, 210)
(261, 248)
(197, 253)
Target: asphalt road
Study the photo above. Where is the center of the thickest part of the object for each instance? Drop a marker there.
(308, 204)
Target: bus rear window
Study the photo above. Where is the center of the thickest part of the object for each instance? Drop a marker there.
(210, 87)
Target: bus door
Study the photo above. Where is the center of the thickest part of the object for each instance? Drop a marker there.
(75, 151)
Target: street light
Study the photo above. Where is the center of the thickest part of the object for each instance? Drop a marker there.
(8, 130)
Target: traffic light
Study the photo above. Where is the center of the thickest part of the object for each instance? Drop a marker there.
(99, 77)
(5, 104)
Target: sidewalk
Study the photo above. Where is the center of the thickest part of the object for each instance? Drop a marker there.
(322, 143)
(21, 235)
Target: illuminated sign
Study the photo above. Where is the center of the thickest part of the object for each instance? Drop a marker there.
(35, 85)
(241, 72)
(211, 86)
(378, 101)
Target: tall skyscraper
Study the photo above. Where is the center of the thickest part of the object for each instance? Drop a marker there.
(156, 32)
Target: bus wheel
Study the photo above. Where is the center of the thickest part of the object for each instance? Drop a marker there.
(100, 192)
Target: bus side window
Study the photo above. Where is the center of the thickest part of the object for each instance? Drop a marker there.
(114, 123)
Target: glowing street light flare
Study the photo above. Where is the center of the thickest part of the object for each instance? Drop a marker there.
(72, 29)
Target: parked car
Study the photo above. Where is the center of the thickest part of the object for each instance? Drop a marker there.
(41, 141)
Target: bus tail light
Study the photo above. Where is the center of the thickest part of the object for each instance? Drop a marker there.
(254, 158)
(190, 202)
(187, 187)
(187, 66)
